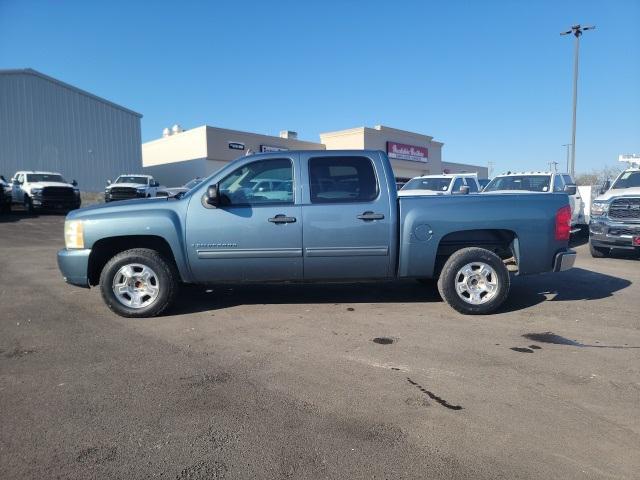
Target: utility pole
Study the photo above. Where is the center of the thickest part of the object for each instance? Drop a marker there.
(490, 168)
(577, 32)
(568, 166)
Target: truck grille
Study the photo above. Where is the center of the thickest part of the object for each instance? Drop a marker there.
(625, 208)
(123, 193)
(58, 194)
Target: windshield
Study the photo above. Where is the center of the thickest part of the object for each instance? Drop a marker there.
(628, 180)
(434, 184)
(45, 177)
(192, 183)
(131, 179)
(527, 183)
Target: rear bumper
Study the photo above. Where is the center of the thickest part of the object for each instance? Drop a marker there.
(604, 232)
(73, 265)
(564, 261)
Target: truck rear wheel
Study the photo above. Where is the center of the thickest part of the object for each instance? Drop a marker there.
(474, 281)
(138, 283)
(599, 252)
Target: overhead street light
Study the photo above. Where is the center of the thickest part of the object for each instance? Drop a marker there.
(576, 30)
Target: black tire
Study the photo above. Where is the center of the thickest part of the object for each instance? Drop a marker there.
(449, 277)
(28, 204)
(599, 252)
(168, 282)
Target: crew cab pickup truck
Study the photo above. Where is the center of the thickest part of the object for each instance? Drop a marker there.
(44, 190)
(331, 216)
(130, 186)
(615, 215)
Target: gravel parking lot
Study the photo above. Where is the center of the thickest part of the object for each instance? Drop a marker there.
(317, 381)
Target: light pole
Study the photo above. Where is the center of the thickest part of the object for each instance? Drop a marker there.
(577, 32)
(567, 145)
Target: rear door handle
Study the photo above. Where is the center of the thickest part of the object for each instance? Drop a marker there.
(280, 218)
(368, 216)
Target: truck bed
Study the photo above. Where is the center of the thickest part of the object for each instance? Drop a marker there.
(431, 225)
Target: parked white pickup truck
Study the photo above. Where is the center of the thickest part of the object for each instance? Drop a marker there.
(50, 190)
(131, 186)
(542, 182)
(444, 184)
(615, 214)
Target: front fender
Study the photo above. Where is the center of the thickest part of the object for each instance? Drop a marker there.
(163, 223)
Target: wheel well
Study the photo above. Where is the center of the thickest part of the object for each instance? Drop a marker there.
(105, 249)
(503, 243)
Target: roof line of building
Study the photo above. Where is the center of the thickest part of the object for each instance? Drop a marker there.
(31, 71)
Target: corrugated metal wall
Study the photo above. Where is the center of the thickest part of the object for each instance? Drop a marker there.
(47, 126)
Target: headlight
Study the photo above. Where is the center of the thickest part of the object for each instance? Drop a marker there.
(599, 208)
(74, 234)
(141, 189)
(36, 191)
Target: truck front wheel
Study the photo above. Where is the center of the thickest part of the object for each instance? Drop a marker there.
(138, 283)
(474, 281)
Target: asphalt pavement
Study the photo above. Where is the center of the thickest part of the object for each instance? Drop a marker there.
(317, 381)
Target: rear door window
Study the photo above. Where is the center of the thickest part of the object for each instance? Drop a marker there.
(342, 179)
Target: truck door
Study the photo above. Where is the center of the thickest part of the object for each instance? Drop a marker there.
(252, 235)
(16, 188)
(347, 219)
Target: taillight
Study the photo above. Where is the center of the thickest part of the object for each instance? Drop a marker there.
(563, 223)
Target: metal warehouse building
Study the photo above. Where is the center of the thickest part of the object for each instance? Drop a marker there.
(46, 124)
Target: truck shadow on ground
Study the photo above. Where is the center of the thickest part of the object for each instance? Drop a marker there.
(194, 299)
(573, 285)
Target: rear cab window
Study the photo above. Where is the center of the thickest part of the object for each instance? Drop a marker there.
(342, 180)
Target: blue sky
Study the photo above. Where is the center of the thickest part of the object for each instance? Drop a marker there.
(490, 79)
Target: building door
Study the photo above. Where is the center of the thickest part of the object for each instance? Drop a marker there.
(347, 223)
(256, 232)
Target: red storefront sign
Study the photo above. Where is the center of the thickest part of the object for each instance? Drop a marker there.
(401, 151)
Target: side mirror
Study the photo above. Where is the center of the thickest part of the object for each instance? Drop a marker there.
(15, 181)
(74, 183)
(464, 190)
(155, 183)
(213, 195)
(108, 182)
(570, 189)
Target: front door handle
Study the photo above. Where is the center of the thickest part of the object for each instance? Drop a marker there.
(280, 218)
(367, 216)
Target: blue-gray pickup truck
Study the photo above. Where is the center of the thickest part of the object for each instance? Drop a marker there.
(309, 216)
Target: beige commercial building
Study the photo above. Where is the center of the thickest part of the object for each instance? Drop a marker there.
(182, 155)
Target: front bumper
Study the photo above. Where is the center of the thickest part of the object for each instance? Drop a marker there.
(604, 232)
(564, 260)
(74, 266)
(56, 204)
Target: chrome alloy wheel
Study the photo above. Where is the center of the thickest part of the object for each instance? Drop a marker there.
(136, 286)
(477, 283)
